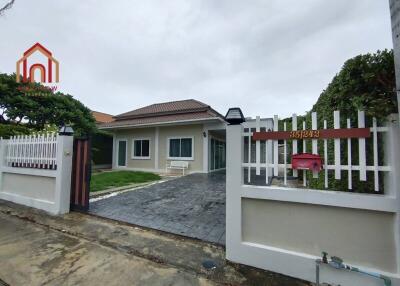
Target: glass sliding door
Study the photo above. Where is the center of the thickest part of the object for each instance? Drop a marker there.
(217, 154)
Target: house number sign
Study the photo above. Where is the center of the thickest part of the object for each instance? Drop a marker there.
(313, 134)
(300, 134)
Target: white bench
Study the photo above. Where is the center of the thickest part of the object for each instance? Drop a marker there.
(180, 165)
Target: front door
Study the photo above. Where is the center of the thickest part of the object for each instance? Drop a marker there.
(121, 159)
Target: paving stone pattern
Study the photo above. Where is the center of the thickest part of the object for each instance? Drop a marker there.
(192, 206)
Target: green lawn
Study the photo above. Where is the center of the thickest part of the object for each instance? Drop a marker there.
(106, 180)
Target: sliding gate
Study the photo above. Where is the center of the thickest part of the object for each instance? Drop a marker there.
(81, 173)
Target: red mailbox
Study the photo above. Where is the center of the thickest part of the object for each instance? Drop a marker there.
(307, 161)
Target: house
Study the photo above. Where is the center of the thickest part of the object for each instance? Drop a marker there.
(149, 138)
(102, 117)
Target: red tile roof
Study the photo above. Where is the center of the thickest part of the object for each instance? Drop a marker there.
(101, 117)
(184, 110)
(166, 107)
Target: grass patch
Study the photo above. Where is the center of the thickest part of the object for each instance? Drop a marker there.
(106, 180)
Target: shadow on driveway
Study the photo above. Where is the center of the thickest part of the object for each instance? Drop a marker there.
(192, 206)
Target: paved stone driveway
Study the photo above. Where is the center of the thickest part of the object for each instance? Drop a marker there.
(192, 205)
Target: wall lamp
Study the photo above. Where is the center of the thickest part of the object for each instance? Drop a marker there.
(66, 130)
(234, 116)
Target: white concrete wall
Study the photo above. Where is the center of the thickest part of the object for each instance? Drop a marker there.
(354, 235)
(285, 229)
(48, 190)
(35, 187)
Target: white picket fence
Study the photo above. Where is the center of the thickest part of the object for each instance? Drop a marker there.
(272, 162)
(32, 151)
(284, 229)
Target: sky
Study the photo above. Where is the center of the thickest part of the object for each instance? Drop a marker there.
(267, 57)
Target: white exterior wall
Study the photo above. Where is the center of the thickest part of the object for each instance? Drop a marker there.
(130, 135)
(352, 234)
(159, 136)
(44, 189)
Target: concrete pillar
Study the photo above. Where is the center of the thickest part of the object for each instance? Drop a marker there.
(63, 176)
(234, 182)
(395, 16)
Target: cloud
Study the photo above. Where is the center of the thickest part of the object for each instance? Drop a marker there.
(268, 57)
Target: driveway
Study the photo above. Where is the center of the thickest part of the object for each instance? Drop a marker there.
(78, 249)
(192, 206)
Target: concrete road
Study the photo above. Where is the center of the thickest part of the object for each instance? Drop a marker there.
(80, 249)
(36, 255)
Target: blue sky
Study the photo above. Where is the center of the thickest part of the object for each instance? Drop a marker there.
(268, 57)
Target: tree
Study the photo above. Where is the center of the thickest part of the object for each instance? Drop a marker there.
(35, 107)
(7, 6)
(365, 82)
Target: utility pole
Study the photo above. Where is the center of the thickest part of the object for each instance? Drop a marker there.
(395, 16)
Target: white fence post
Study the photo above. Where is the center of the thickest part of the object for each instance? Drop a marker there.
(234, 181)
(314, 142)
(349, 173)
(275, 142)
(294, 144)
(336, 125)
(3, 149)
(63, 178)
(258, 147)
(361, 148)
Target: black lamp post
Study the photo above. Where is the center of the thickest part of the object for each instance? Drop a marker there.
(66, 130)
(234, 116)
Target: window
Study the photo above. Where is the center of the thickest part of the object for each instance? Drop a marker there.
(141, 149)
(180, 148)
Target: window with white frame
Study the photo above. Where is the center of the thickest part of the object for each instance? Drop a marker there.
(141, 149)
(180, 148)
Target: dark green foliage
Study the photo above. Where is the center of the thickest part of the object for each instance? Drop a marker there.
(365, 82)
(102, 144)
(8, 130)
(33, 106)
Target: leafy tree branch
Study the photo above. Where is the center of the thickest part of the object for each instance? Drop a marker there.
(6, 7)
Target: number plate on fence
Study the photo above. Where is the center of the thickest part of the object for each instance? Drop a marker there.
(313, 134)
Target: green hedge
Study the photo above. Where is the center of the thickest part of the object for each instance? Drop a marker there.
(365, 82)
(102, 145)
